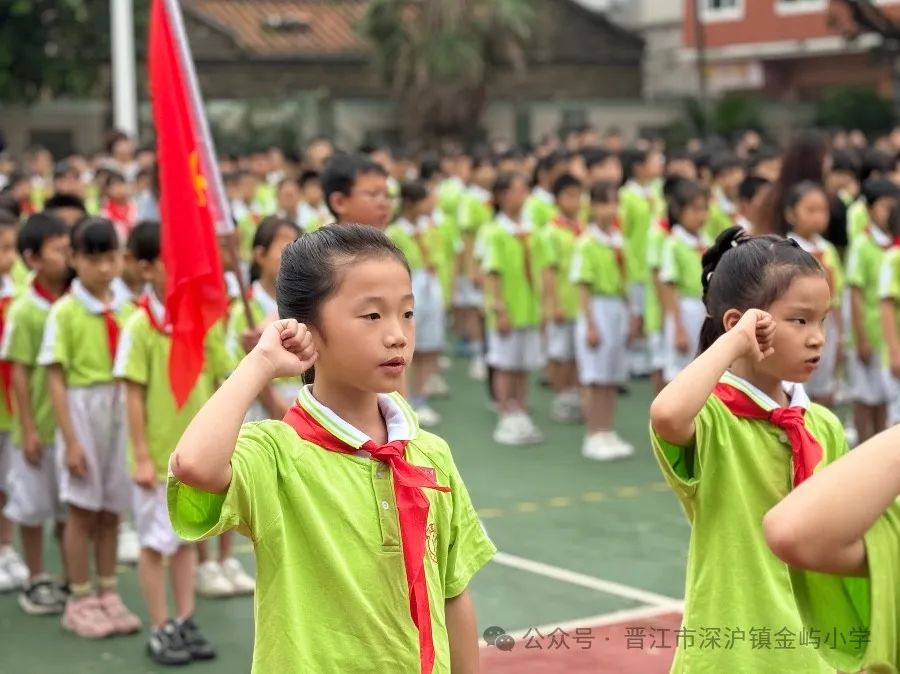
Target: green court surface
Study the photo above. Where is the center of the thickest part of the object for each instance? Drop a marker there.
(581, 543)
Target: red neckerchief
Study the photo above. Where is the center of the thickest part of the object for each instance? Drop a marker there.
(664, 224)
(5, 365)
(112, 331)
(124, 214)
(26, 207)
(144, 303)
(806, 452)
(568, 224)
(412, 508)
(44, 292)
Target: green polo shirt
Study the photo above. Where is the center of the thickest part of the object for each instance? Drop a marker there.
(539, 208)
(636, 212)
(827, 255)
(652, 303)
(594, 262)
(475, 209)
(505, 255)
(554, 247)
(403, 234)
(22, 334)
(331, 589)
(734, 471)
(8, 291)
(889, 288)
(681, 262)
(143, 358)
(868, 609)
(857, 218)
(720, 216)
(75, 337)
(863, 269)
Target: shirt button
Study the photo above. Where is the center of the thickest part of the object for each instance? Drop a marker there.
(782, 437)
(385, 505)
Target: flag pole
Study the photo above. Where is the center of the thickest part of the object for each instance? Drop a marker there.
(223, 222)
(124, 80)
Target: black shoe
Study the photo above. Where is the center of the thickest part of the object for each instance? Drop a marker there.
(41, 598)
(166, 647)
(197, 644)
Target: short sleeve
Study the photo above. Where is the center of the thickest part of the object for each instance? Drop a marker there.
(546, 252)
(888, 283)
(581, 271)
(250, 502)
(132, 361)
(855, 274)
(219, 360)
(54, 349)
(668, 267)
(492, 261)
(470, 548)
(20, 344)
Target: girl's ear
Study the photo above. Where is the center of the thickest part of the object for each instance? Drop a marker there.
(731, 318)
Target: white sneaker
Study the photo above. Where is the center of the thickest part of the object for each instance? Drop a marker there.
(623, 449)
(428, 418)
(436, 387)
(240, 580)
(561, 409)
(13, 566)
(211, 580)
(129, 547)
(444, 362)
(600, 447)
(531, 434)
(477, 368)
(509, 431)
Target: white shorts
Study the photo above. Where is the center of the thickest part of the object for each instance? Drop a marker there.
(693, 314)
(466, 295)
(33, 496)
(867, 385)
(606, 364)
(892, 390)
(517, 351)
(5, 460)
(636, 298)
(823, 382)
(656, 351)
(96, 413)
(430, 318)
(151, 520)
(560, 341)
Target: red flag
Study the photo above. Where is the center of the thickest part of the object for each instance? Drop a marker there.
(191, 199)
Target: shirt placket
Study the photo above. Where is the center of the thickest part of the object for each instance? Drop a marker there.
(387, 506)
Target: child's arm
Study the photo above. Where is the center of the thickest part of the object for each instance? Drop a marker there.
(462, 633)
(56, 382)
(674, 409)
(820, 525)
(863, 347)
(548, 292)
(889, 326)
(593, 332)
(202, 458)
(495, 292)
(144, 470)
(31, 442)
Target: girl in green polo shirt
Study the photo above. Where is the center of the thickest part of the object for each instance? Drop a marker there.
(732, 437)
(845, 520)
(364, 533)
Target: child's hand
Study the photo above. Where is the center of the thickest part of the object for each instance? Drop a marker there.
(758, 329)
(144, 473)
(31, 446)
(593, 335)
(503, 324)
(681, 338)
(895, 363)
(250, 338)
(288, 348)
(864, 351)
(75, 459)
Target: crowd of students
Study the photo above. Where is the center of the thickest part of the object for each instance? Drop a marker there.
(582, 260)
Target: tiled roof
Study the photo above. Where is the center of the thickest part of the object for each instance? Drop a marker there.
(289, 28)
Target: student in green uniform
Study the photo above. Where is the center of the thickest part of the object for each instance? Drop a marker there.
(806, 212)
(356, 191)
(540, 207)
(67, 207)
(13, 572)
(78, 349)
(554, 245)
(751, 193)
(865, 362)
(408, 233)
(512, 306)
(601, 329)
(889, 295)
(373, 520)
(313, 212)
(727, 174)
(33, 497)
(732, 437)
(155, 423)
(845, 521)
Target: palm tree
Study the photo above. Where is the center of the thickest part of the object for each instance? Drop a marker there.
(439, 56)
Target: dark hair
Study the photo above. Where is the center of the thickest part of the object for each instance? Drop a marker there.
(724, 161)
(8, 219)
(38, 228)
(681, 194)
(111, 176)
(761, 154)
(803, 160)
(597, 155)
(548, 163)
(502, 184)
(800, 190)
(290, 180)
(603, 192)
(63, 169)
(875, 163)
(680, 155)
(631, 158)
(413, 191)
(894, 221)
(750, 187)
(63, 200)
(429, 168)
(91, 236)
(564, 182)
(745, 272)
(144, 242)
(308, 176)
(846, 161)
(114, 137)
(879, 188)
(264, 236)
(342, 170)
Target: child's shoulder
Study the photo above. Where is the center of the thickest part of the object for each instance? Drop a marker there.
(436, 450)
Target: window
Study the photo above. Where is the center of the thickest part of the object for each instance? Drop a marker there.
(722, 10)
(800, 6)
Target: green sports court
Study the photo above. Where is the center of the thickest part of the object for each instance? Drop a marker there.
(589, 576)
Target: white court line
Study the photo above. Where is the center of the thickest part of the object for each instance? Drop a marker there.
(583, 580)
(604, 619)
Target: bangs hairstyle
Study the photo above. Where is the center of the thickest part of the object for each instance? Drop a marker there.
(143, 241)
(799, 191)
(37, 230)
(565, 182)
(745, 272)
(264, 236)
(92, 236)
(413, 192)
(502, 184)
(604, 193)
(682, 194)
(311, 266)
